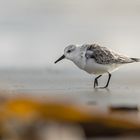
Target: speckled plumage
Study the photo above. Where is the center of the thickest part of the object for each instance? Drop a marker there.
(103, 55)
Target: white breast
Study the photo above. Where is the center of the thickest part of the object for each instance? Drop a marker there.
(79, 58)
(94, 68)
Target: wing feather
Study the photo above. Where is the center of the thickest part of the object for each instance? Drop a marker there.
(103, 55)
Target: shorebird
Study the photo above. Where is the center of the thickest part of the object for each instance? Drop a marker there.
(95, 59)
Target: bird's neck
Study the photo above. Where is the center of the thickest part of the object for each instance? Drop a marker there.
(79, 60)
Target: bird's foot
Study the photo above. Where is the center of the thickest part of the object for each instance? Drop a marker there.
(98, 87)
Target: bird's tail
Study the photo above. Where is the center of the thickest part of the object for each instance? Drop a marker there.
(136, 59)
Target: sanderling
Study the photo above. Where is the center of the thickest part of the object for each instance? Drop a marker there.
(96, 59)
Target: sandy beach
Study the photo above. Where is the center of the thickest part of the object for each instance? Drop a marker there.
(72, 88)
(76, 86)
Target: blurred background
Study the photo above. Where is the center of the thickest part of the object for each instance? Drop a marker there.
(34, 33)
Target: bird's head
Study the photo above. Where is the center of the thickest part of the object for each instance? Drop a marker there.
(69, 52)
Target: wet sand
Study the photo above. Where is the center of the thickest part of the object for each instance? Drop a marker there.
(77, 86)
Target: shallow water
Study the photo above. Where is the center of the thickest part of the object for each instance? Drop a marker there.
(124, 88)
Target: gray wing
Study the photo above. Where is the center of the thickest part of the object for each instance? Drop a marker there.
(103, 55)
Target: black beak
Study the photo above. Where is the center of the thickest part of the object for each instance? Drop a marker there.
(62, 57)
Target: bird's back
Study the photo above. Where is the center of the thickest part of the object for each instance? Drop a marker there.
(103, 55)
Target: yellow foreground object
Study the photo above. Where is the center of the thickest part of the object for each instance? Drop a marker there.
(28, 118)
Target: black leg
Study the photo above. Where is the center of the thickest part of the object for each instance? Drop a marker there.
(109, 77)
(96, 81)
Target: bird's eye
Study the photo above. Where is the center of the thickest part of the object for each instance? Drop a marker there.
(68, 51)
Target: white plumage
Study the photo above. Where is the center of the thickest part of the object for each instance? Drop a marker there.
(96, 59)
